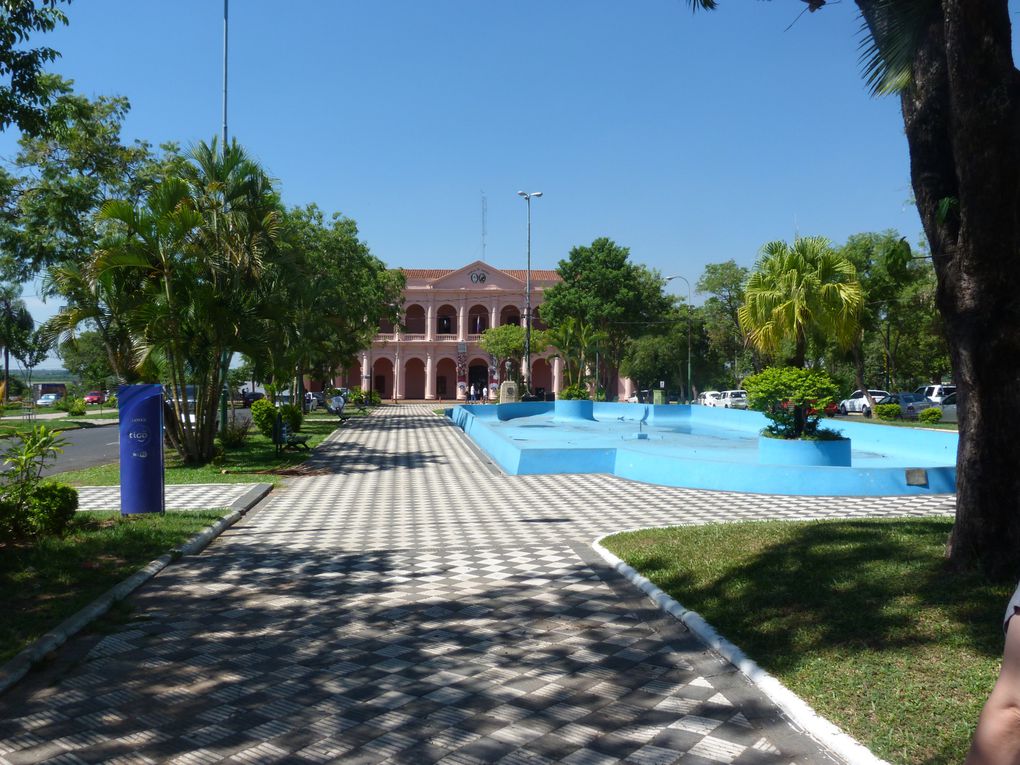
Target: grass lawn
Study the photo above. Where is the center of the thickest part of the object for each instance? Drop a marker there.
(44, 582)
(256, 461)
(895, 423)
(859, 618)
(11, 428)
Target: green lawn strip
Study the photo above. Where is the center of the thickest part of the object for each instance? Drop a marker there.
(894, 423)
(253, 462)
(46, 581)
(11, 428)
(859, 618)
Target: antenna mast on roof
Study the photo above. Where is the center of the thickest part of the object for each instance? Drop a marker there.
(485, 213)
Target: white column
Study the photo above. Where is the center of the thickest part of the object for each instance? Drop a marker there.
(430, 376)
(462, 321)
(366, 371)
(628, 388)
(557, 381)
(430, 322)
(493, 314)
(398, 377)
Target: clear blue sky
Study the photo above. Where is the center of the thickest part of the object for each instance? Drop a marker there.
(690, 138)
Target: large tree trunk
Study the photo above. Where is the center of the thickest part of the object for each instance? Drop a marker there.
(961, 119)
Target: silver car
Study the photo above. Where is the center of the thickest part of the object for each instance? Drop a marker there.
(911, 404)
(948, 406)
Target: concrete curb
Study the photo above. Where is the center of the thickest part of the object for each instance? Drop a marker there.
(13, 670)
(794, 707)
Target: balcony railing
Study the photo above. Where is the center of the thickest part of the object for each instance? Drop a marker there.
(446, 338)
(385, 337)
(415, 337)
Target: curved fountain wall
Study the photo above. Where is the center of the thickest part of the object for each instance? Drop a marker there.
(923, 460)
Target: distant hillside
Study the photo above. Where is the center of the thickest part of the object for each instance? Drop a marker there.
(43, 375)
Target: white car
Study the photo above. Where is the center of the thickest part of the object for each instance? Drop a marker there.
(709, 398)
(858, 403)
(733, 399)
(935, 392)
(48, 399)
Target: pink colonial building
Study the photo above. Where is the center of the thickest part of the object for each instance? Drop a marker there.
(435, 356)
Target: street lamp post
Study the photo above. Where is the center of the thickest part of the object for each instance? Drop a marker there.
(527, 298)
(689, 321)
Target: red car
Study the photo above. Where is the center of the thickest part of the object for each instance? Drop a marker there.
(95, 397)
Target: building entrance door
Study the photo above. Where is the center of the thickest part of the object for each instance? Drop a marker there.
(478, 376)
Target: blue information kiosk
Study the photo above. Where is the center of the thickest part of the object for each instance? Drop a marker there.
(141, 449)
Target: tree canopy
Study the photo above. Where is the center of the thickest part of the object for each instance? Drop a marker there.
(603, 289)
(25, 89)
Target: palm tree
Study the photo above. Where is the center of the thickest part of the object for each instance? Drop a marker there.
(16, 324)
(156, 241)
(797, 291)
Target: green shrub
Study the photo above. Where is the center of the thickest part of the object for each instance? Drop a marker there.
(793, 399)
(574, 392)
(356, 397)
(75, 406)
(930, 416)
(887, 411)
(19, 485)
(51, 507)
(112, 401)
(236, 433)
(292, 416)
(263, 414)
(374, 399)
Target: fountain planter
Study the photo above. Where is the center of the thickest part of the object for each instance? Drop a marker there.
(576, 409)
(782, 451)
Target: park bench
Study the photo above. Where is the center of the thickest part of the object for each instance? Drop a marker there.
(284, 439)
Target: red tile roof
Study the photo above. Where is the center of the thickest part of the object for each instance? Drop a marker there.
(536, 275)
(431, 274)
(426, 273)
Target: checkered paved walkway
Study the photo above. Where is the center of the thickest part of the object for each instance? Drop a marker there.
(415, 606)
(178, 497)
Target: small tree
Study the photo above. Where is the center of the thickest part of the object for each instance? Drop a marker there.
(793, 399)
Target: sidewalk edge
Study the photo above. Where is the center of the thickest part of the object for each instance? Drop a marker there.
(792, 705)
(17, 667)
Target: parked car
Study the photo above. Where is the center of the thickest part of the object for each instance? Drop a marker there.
(48, 399)
(709, 398)
(948, 406)
(95, 397)
(858, 403)
(250, 397)
(311, 402)
(936, 392)
(641, 397)
(733, 399)
(910, 403)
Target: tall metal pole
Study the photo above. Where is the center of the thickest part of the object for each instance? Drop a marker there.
(527, 297)
(527, 311)
(225, 74)
(690, 321)
(225, 358)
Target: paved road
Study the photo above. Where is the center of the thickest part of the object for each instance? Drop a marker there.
(412, 605)
(87, 447)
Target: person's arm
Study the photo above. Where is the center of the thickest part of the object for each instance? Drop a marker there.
(997, 738)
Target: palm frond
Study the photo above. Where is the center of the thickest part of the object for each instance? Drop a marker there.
(891, 33)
